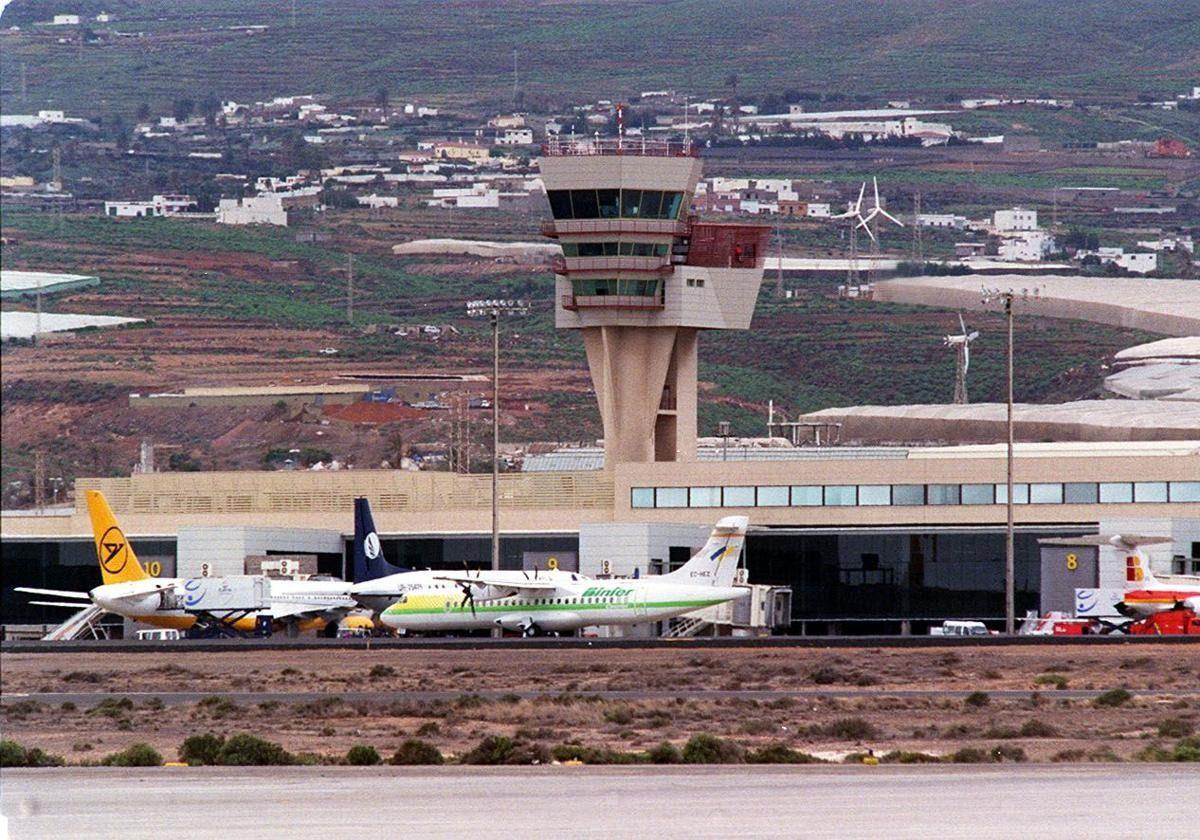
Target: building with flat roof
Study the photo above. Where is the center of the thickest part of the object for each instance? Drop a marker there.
(868, 538)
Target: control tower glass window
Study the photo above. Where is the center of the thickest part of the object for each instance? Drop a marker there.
(612, 204)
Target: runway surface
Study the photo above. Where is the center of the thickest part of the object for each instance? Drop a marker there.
(176, 698)
(1113, 801)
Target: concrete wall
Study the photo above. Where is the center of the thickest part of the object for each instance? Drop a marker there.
(225, 548)
(631, 545)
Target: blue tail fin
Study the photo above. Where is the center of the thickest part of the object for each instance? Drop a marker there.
(369, 562)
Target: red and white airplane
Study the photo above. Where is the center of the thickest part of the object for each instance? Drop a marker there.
(1147, 593)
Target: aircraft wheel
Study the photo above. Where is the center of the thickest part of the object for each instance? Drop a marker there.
(292, 629)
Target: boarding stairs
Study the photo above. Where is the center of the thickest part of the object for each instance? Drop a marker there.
(686, 627)
(84, 624)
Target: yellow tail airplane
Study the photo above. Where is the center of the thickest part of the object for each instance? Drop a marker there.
(129, 591)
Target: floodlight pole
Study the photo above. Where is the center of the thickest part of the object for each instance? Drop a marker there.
(1010, 622)
(1009, 564)
(495, 318)
(492, 309)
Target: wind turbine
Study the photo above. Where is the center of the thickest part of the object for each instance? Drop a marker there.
(854, 211)
(865, 222)
(962, 346)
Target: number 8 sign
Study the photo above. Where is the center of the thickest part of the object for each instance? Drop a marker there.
(1072, 562)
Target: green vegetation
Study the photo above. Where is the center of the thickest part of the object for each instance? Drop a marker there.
(201, 749)
(135, 755)
(938, 48)
(363, 755)
(500, 749)
(977, 700)
(709, 749)
(1112, 698)
(250, 750)
(1057, 680)
(13, 754)
(415, 751)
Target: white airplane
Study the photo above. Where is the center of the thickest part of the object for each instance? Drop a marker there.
(436, 601)
(129, 591)
(1147, 593)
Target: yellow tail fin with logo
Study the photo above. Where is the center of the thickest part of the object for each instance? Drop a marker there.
(118, 563)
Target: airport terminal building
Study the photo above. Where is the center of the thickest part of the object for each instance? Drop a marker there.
(869, 539)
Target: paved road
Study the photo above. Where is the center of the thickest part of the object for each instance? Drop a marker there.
(175, 698)
(827, 802)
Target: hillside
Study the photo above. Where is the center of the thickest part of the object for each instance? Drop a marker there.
(462, 52)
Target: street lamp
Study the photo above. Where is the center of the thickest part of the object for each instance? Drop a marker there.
(493, 309)
(723, 433)
(1006, 298)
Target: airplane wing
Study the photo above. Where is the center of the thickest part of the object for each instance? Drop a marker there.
(57, 593)
(73, 605)
(501, 584)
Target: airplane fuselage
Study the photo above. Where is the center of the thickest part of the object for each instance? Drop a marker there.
(440, 606)
(165, 605)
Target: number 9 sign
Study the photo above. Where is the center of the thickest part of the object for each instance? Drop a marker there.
(1072, 562)
(552, 564)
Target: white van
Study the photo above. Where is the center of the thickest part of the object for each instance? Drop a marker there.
(960, 628)
(162, 634)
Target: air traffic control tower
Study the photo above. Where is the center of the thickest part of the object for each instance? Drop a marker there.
(640, 277)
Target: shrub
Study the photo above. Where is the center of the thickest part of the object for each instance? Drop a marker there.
(1103, 754)
(1007, 752)
(620, 715)
(250, 750)
(780, 754)
(1035, 728)
(977, 699)
(968, 755)
(709, 749)
(201, 749)
(13, 754)
(593, 755)
(112, 707)
(135, 755)
(756, 726)
(1153, 752)
(665, 753)
(430, 727)
(825, 675)
(1175, 727)
(380, 671)
(363, 755)
(851, 729)
(414, 751)
(1187, 750)
(909, 757)
(498, 749)
(1112, 698)
(1068, 755)
(1057, 680)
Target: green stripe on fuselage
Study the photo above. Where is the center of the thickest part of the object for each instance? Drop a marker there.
(527, 606)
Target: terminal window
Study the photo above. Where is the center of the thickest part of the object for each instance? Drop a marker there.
(914, 495)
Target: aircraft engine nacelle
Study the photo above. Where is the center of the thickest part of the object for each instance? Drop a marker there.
(486, 592)
(558, 622)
